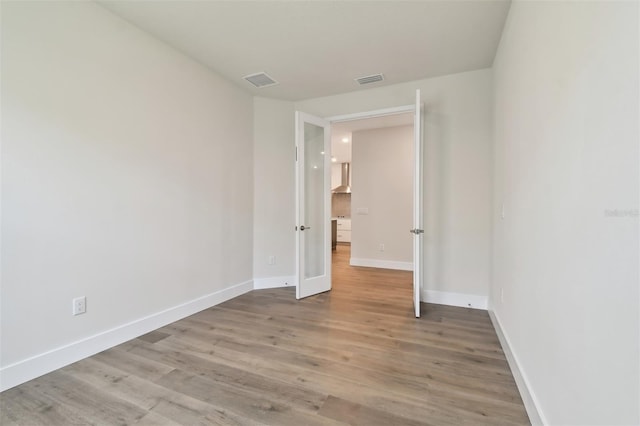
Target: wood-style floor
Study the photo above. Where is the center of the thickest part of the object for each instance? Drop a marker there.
(355, 355)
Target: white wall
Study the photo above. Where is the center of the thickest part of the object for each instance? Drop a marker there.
(127, 177)
(274, 190)
(383, 175)
(566, 158)
(457, 137)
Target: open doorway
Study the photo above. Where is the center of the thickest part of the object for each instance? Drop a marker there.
(313, 167)
(372, 192)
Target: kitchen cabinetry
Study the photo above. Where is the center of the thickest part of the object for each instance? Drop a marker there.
(334, 233)
(344, 230)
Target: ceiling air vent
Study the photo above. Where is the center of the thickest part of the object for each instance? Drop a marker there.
(260, 79)
(369, 79)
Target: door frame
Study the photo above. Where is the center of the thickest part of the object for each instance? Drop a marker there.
(352, 117)
(371, 114)
(404, 109)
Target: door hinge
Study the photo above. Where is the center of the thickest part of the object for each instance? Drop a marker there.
(417, 231)
(296, 153)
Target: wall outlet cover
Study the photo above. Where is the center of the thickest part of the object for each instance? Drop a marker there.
(79, 305)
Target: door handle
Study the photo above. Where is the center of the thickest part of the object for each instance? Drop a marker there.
(302, 228)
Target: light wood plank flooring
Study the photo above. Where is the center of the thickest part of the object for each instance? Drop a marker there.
(355, 355)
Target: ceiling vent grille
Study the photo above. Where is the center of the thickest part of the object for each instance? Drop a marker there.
(260, 79)
(370, 79)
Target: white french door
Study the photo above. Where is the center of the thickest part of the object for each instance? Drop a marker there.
(418, 228)
(313, 205)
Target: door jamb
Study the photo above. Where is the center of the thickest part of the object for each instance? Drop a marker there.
(370, 114)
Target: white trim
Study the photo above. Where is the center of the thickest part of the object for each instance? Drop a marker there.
(531, 403)
(418, 210)
(371, 114)
(297, 205)
(35, 366)
(455, 299)
(274, 282)
(385, 264)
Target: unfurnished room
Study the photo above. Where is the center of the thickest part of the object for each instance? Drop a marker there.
(320, 212)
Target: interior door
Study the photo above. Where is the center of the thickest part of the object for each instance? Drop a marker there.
(418, 229)
(313, 202)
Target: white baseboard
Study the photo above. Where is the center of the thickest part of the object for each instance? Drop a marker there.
(454, 299)
(35, 366)
(385, 264)
(274, 282)
(531, 404)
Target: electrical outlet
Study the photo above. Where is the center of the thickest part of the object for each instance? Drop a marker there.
(272, 260)
(381, 247)
(79, 305)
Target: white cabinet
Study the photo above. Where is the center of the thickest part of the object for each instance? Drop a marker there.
(344, 236)
(344, 231)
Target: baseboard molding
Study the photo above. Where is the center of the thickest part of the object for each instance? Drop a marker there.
(455, 299)
(529, 399)
(385, 264)
(30, 368)
(274, 282)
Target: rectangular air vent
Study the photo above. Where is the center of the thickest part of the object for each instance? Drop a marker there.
(260, 79)
(370, 79)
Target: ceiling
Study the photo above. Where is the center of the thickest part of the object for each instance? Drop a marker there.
(339, 131)
(318, 48)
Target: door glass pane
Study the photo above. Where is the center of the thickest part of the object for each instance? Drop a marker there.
(314, 261)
